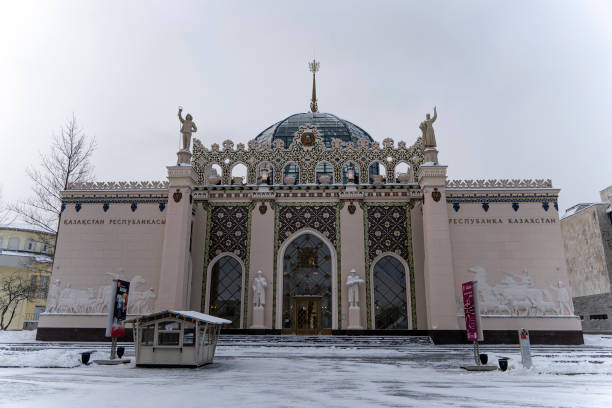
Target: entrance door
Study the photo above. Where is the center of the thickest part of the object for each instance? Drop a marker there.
(307, 279)
(307, 314)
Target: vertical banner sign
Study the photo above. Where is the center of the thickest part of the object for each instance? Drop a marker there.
(117, 311)
(469, 310)
(525, 348)
(473, 326)
(477, 310)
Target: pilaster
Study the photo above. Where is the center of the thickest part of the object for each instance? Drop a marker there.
(175, 275)
(438, 260)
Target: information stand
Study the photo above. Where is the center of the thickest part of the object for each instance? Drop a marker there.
(117, 313)
(525, 348)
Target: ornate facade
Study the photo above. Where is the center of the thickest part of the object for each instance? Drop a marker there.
(317, 198)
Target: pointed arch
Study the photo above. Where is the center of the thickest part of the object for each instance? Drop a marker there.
(213, 266)
(280, 271)
(392, 281)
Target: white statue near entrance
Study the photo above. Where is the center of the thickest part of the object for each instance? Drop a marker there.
(259, 290)
(352, 282)
(259, 300)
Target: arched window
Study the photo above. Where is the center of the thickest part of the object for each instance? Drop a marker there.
(225, 290)
(402, 172)
(265, 173)
(291, 170)
(350, 173)
(390, 302)
(13, 244)
(324, 169)
(214, 174)
(239, 171)
(377, 169)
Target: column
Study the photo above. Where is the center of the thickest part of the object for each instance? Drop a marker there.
(176, 259)
(438, 261)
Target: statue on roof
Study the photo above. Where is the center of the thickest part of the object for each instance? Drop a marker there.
(429, 136)
(187, 128)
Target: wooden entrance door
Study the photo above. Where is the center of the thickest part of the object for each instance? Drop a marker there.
(307, 314)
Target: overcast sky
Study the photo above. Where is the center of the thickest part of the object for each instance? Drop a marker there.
(523, 88)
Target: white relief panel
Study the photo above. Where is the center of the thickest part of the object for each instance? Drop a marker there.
(91, 300)
(516, 295)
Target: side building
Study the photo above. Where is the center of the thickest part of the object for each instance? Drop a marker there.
(587, 240)
(26, 255)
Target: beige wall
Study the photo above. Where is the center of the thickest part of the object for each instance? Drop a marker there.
(352, 255)
(88, 253)
(418, 255)
(262, 258)
(585, 252)
(606, 195)
(509, 247)
(198, 246)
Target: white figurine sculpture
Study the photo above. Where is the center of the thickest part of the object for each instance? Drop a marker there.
(259, 290)
(352, 282)
(259, 300)
(187, 128)
(429, 136)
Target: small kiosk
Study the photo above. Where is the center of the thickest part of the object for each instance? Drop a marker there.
(175, 338)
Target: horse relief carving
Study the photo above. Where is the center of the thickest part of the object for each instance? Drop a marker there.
(90, 300)
(516, 295)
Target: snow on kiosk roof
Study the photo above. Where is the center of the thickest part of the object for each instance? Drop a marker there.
(188, 315)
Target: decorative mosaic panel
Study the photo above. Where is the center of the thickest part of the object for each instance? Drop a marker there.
(229, 231)
(306, 157)
(295, 218)
(387, 231)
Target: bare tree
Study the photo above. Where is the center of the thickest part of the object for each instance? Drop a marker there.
(67, 162)
(5, 216)
(13, 290)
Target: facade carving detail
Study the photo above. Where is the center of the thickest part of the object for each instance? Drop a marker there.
(90, 300)
(119, 185)
(516, 295)
(306, 151)
(503, 183)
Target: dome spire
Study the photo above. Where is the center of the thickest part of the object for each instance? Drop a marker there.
(314, 68)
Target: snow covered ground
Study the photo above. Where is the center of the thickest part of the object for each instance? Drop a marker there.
(252, 373)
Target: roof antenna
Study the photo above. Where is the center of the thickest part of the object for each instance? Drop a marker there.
(314, 68)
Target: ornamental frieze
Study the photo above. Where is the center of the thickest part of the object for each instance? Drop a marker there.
(306, 151)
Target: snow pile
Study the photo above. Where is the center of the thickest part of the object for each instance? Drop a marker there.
(598, 340)
(17, 336)
(49, 358)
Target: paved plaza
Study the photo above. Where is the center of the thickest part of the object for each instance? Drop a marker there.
(321, 371)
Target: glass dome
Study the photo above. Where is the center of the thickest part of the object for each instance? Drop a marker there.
(329, 126)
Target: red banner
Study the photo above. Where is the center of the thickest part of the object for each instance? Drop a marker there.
(469, 310)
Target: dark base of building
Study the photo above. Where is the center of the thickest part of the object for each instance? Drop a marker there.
(553, 337)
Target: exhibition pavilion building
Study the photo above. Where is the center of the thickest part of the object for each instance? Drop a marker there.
(352, 235)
